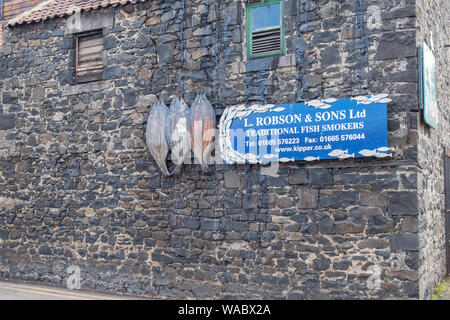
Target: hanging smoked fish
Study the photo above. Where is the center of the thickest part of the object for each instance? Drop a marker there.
(177, 134)
(202, 124)
(155, 135)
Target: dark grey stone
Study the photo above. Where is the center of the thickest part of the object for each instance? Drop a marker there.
(321, 264)
(342, 265)
(402, 204)
(112, 72)
(404, 242)
(142, 41)
(326, 226)
(160, 78)
(330, 56)
(4, 234)
(361, 211)
(67, 43)
(320, 177)
(411, 289)
(190, 223)
(129, 97)
(45, 250)
(373, 244)
(394, 45)
(7, 122)
(109, 42)
(9, 98)
(165, 53)
(158, 257)
(309, 228)
(409, 11)
(379, 225)
(298, 177)
(325, 37)
(250, 201)
(259, 65)
(333, 23)
(210, 224)
(66, 77)
(412, 260)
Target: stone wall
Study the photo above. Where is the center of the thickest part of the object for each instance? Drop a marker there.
(433, 16)
(77, 186)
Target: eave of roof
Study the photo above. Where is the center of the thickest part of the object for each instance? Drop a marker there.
(51, 9)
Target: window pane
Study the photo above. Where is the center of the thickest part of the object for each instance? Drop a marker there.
(266, 16)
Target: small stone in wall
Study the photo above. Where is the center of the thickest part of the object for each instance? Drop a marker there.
(232, 179)
(137, 118)
(355, 225)
(307, 198)
(405, 242)
(58, 117)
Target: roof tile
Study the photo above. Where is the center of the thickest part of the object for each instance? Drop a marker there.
(49, 9)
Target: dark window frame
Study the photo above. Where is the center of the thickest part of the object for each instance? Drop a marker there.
(98, 33)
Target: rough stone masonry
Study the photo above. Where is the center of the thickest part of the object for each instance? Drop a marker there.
(78, 187)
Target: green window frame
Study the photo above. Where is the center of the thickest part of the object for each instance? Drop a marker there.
(249, 28)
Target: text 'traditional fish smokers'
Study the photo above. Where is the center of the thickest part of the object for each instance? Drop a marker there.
(306, 129)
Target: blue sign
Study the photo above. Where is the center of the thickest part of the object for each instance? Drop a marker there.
(311, 131)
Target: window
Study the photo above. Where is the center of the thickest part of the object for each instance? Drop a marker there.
(89, 57)
(265, 28)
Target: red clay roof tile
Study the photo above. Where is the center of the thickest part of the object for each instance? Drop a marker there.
(59, 8)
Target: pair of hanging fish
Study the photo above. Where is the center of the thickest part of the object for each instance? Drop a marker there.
(179, 129)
